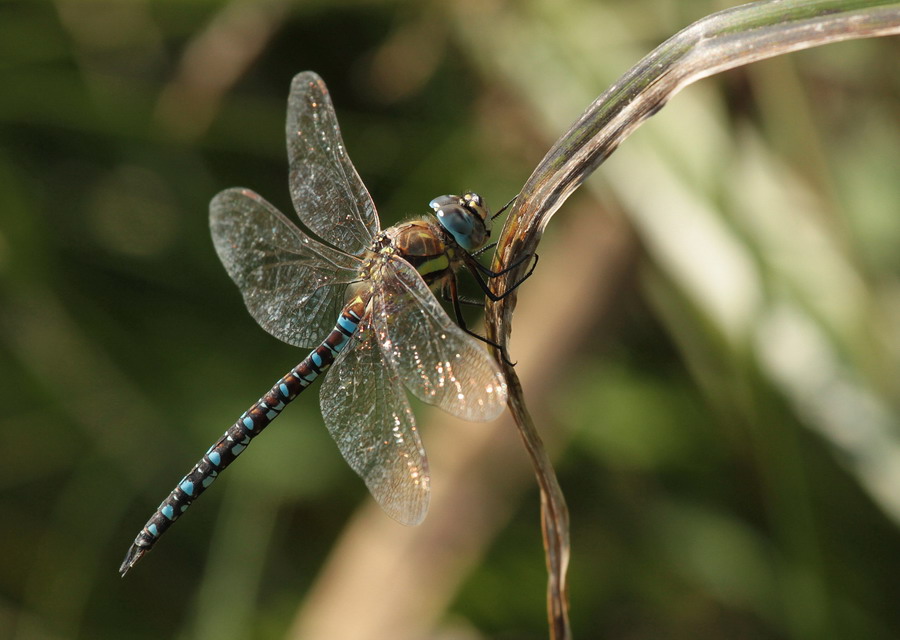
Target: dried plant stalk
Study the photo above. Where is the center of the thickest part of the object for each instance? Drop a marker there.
(719, 42)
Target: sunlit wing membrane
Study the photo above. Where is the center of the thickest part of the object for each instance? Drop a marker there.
(328, 194)
(437, 361)
(366, 411)
(292, 285)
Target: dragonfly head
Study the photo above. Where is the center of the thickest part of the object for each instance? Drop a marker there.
(466, 217)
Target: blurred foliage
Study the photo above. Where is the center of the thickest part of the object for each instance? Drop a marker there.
(732, 468)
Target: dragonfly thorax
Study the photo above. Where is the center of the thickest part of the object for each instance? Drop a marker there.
(426, 246)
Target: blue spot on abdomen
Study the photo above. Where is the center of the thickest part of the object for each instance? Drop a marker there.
(208, 480)
(347, 325)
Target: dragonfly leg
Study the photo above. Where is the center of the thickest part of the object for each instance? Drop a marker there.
(505, 207)
(494, 274)
(449, 291)
(490, 246)
(445, 295)
(486, 247)
(477, 269)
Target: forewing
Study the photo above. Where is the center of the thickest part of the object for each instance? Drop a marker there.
(328, 194)
(437, 361)
(292, 285)
(367, 413)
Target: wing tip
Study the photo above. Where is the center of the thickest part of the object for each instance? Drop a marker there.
(410, 518)
(408, 507)
(305, 79)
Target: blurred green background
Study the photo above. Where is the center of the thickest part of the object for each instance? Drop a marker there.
(711, 344)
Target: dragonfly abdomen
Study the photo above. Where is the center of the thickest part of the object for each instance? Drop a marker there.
(248, 426)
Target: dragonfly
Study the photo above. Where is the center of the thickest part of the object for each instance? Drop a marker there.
(370, 293)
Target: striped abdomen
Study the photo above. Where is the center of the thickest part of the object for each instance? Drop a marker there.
(247, 427)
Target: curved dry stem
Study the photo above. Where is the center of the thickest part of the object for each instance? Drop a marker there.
(719, 42)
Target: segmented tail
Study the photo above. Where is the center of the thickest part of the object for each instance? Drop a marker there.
(247, 427)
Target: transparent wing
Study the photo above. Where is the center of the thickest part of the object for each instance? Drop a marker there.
(367, 413)
(328, 194)
(437, 361)
(292, 285)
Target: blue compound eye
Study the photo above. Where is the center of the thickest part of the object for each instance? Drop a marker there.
(466, 218)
